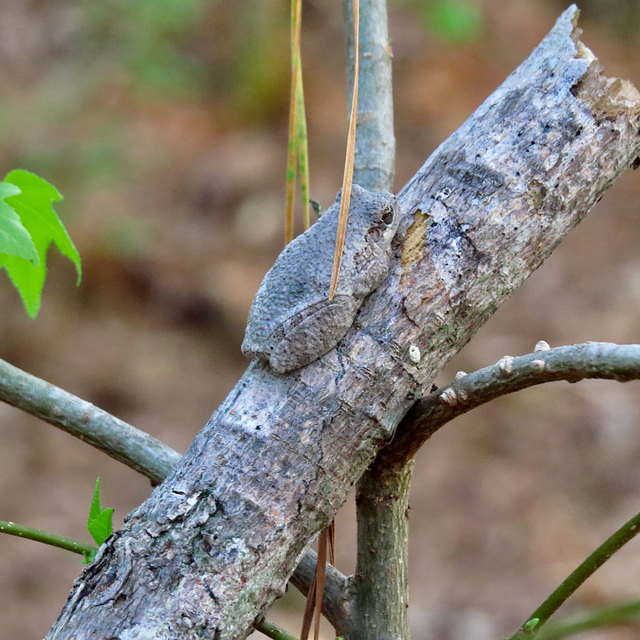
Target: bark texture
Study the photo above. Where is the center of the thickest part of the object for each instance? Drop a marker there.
(377, 596)
(375, 153)
(214, 544)
(378, 592)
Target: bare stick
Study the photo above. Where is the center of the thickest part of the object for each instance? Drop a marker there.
(379, 589)
(87, 422)
(375, 152)
(571, 363)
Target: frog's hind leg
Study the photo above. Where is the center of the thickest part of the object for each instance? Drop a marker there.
(313, 333)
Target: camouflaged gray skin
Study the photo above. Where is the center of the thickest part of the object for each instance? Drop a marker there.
(291, 322)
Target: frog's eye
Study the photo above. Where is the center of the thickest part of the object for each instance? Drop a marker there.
(387, 215)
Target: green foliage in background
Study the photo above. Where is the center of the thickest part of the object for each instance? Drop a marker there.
(28, 225)
(455, 21)
(151, 39)
(259, 64)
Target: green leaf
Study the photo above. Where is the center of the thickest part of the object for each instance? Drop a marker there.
(531, 624)
(99, 524)
(33, 206)
(88, 557)
(101, 527)
(14, 238)
(94, 510)
(454, 20)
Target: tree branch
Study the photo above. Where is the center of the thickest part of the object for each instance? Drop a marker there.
(375, 141)
(46, 537)
(273, 631)
(379, 592)
(571, 363)
(118, 439)
(215, 543)
(81, 419)
(620, 613)
(335, 601)
(628, 531)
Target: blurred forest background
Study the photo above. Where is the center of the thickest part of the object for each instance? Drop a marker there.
(164, 124)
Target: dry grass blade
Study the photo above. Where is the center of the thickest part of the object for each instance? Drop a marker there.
(292, 151)
(348, 164)
(321, 568)
(332, 543)
(326, 546)
(302, 148)
(309, 608)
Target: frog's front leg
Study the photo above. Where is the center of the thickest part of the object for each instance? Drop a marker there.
(309, 335)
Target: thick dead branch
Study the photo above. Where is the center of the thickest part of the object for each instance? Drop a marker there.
(123, 442)
(214, 544)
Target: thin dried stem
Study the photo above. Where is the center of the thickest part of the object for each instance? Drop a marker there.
(347, 178)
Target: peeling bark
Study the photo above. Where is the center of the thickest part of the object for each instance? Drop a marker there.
(213, 545)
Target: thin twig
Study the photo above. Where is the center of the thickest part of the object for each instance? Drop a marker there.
(272, 630)
(594, 561)
(14, 529)
(374, 159)
(81, 419)
(621, 613)
(571, 363)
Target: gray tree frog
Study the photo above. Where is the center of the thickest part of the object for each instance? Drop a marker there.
(292, 322)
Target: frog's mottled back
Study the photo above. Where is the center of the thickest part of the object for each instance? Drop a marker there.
(292, 322)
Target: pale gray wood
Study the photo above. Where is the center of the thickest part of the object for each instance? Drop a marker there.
(212, 547)
(336, 602)
(377, 595)
(375, 153)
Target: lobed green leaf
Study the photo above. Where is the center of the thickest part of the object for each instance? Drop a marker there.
(14, 238)
(99, 523)
(101, 527)
(32, 204)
